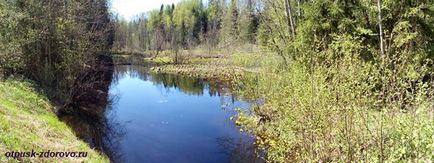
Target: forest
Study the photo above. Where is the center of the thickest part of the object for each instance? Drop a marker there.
(329, 80)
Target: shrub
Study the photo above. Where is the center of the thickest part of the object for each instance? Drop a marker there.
(335, 106)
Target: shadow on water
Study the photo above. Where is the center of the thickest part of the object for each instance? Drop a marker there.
(110, 130)
(102, 133)
(239, 150)
(89, 118)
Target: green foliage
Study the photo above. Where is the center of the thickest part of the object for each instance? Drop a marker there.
(329, 95)
(334, 97)
(10, 38)
(230, 32)
(189, 25)
(248, 22)
(336, 112)
(54, 43)
(214, 17)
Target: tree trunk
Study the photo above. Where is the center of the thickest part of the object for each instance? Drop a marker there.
(380, 26)
(289, 18)
(298, 9)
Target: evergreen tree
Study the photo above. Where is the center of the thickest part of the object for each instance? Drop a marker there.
(214, 22)
(248, 22)
(229, 32)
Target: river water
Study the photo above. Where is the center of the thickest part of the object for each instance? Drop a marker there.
(166, 118)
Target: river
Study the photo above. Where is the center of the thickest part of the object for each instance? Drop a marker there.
(166, 118)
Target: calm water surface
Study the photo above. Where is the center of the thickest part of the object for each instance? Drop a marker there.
(167, 118)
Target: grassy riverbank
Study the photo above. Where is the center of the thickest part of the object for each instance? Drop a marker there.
(225, 73)
(27, 122)
(201, 64)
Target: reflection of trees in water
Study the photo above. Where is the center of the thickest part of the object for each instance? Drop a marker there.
(114, 131)
(131, 71)
(185, 84)
(91, 122)
(101, 131)
(239, 150)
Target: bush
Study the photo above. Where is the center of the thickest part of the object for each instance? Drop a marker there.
(324, 108)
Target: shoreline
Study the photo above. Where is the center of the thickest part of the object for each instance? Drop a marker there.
(20, 104)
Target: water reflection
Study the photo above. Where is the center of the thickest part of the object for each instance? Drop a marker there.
(239, 150)
(165, 118)
(102, 133)
(185, 84)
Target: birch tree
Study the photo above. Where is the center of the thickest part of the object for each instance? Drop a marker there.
(289, 18)
(380, 27)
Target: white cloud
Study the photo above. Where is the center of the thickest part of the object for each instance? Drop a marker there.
(130, 8)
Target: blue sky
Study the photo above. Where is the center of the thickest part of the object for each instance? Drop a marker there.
(130, 8)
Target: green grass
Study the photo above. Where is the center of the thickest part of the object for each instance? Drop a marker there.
(159, 60)
(27, 122)
(223, 73)
(197, 63)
